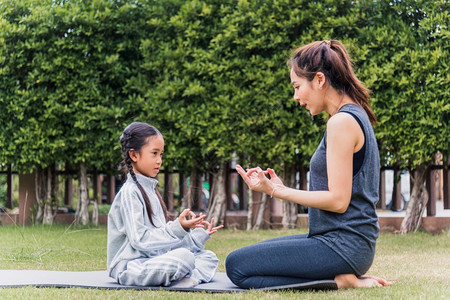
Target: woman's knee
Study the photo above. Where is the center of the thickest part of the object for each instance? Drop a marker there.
(232, 267)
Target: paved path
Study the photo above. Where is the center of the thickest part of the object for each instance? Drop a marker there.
(440, 212)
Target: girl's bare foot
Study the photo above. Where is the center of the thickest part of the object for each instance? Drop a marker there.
(185, 282)
(345, 281)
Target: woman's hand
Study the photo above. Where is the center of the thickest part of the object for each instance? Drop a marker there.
(189, 220)
(209, 227)
(274, 177)
(257, 181)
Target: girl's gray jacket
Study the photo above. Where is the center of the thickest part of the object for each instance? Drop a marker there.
(132, 236)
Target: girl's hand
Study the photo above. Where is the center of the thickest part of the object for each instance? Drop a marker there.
(188, 219)
(257, 181)
(209, 227)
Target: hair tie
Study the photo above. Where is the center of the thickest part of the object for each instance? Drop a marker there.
(328, 43)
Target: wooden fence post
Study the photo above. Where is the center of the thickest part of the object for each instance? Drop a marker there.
(181, 187)
(228, 187)
(111, 191)
(397, 191)
(9, 188)
(168, 190)
(68, 191)
(446, 185)
(303, 184)
(431, 188)
(242, 193)
(382, 190)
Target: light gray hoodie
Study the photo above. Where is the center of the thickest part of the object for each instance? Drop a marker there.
(131, 235)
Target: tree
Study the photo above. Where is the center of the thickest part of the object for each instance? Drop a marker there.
(66, 68)
(403, 55)
(25, 104)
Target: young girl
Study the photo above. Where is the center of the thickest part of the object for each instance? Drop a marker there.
(143, 248)
(344, 178)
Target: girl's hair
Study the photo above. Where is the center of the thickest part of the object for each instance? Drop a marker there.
(331, 58)
(134, 137)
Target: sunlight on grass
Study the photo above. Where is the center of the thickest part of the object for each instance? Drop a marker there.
(418, 264)
(53, 248)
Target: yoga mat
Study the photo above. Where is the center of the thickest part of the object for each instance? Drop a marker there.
(100, 280)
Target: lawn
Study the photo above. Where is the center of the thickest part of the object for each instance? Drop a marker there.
(418, 264)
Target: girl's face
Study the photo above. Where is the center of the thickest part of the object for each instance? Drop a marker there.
(308, 93)
(148, 161)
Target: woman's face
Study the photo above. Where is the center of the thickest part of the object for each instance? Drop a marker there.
(308, 93)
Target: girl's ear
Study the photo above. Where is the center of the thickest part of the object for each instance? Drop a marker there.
(320, 80)
(133, 155)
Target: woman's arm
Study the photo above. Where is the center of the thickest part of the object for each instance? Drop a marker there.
(344, 137)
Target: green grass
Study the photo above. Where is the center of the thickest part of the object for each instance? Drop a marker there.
(419, 264)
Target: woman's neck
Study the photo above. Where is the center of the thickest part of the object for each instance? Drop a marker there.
(336, 101)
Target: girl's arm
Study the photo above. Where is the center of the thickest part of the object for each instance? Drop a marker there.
(344, 137)
(142, 237)
(195, 241)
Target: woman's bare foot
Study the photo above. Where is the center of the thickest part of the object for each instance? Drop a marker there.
(345, 281)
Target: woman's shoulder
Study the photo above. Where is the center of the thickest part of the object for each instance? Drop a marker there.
(344, 127)
(356, 111)
(341, 121)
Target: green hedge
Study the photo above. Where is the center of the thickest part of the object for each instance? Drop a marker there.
(212, 76)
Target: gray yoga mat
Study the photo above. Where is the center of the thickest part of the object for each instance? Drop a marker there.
(100, 280)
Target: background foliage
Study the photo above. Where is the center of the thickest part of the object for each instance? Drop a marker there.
(212, 76)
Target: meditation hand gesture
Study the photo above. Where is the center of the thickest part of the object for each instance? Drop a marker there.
(209, 227)
(188, 219)
(257, 181)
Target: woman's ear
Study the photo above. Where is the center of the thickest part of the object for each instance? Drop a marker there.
(320, 80)
(133, 155)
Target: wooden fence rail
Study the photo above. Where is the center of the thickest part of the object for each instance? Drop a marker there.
(104, 188)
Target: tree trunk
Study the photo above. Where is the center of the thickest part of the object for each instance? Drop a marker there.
(95, 201)
(417, 203)
(82, 213)
(212, 190)
(48, 212)
(41, 193)
(94, 212)
(219, 201)
(289, 208)
(250, 210)
(263, 205)
(194, 193)
(45, 195)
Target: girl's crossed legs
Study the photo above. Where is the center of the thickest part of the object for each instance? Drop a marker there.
(169, 268)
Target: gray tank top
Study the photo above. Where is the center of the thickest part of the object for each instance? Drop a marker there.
(352, 234)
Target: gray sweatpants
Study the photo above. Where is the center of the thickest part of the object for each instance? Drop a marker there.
(170, 266)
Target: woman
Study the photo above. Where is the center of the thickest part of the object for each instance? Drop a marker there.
(344, 179)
